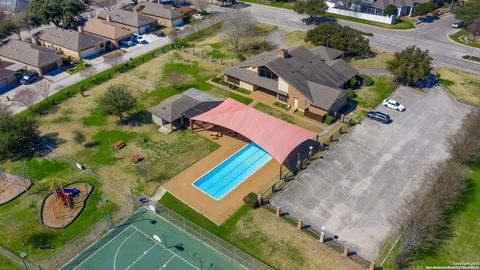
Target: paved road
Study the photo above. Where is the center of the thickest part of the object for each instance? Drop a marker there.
(358, 185)
(431, 36)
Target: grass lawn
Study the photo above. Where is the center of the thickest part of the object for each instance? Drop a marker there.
(297, 38)
(464, 86)
(6, 264)
(464, 244)
(379, 61)
(462, 38)
(78, 67)
(20, 219)
(286, 117)
(371, 96)
(270, 239)
(279, 4)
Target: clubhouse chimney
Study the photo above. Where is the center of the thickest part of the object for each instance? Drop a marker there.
(282, 53)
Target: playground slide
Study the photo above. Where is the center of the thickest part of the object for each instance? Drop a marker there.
(71, 191)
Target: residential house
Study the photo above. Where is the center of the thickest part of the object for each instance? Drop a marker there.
(108, 30)
(165, 15)
(310, 81)
(175, 111)
(7, 76)
(30, 56)
(373, 10)
(14, 6)
(137, 22)
(188, 12)
(77, 45)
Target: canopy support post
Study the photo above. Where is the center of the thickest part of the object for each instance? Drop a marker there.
(317, 138)
(191, 124)
(281, 167)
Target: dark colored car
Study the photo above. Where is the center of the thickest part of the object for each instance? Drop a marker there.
(379, 116)
(29, 77)
(316, 20)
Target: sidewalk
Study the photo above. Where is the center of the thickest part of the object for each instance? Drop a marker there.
(16, 107)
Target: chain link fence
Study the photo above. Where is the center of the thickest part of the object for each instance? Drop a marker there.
(212, 240)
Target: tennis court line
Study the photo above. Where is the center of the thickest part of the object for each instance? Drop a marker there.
(141, 256)
(223, 254)
(165, 264)
(140, 231)
(106, 244)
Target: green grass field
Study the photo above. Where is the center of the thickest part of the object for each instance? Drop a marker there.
(6, 264)
(461, 37)
(369, 97)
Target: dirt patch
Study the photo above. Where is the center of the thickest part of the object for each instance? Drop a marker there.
(54, 215)
(285, 246)
(12, 186)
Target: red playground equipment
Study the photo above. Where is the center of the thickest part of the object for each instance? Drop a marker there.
(63, 196)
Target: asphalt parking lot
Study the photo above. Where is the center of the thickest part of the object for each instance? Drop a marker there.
(354, 190)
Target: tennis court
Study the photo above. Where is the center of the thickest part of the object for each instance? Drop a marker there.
(147, 241)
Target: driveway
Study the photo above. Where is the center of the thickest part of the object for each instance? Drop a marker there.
(429, 36)
(358, 185)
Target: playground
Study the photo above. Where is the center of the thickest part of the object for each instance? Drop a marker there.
(64, 203)
(148, 241)
(12, 186)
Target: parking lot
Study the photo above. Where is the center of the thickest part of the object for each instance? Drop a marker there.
(354, 190)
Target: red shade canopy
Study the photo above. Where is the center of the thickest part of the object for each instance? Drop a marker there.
(275, 136)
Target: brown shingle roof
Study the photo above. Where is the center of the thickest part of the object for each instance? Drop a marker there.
(69, 39)
(127, 17)
(109, 30)
(159, 10)
(326, 53)
(28, 53)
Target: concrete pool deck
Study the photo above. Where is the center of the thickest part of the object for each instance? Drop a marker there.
(181, 186)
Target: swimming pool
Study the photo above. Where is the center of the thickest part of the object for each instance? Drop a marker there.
(233, 171)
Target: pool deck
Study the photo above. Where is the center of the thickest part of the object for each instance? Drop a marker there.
(181, 186)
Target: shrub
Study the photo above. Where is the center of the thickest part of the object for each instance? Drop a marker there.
(251, 200)
(78, 136)
(367, 80)
(351, 93)
(328, 120)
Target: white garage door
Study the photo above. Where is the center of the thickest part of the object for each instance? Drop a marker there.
(89, 52)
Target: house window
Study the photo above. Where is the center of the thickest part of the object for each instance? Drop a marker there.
(282, 98)
(101, 45)
(267, 73)
(233, 80)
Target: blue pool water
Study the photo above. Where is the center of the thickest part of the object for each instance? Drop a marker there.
(233, 171)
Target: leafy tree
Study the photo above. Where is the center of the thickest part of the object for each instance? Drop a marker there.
(65, 13)
(425, 8)
(344, 38)
(7, 25)
(310, 7)
(410, 65)
(18, 135)
(391, 10)
(118, 101)
(469, 12)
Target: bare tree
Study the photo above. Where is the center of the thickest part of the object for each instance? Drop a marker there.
(44, 89)
(174, 35)
(474, 30)
(202, 5)
(174, 79)
(144, 169)
(88, 72)
(114, 60)
(237, 26)
(27, 97)
(106, 5)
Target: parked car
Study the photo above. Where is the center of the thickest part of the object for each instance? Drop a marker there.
(29, 77)
(457, 24)
(393, 104)
(126, 42)
(197, 16)
(138, 38)
(379, 116)
(317, 20)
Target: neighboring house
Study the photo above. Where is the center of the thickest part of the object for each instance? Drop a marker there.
(373, 10)
(175, 111)
(310, 81)
(108, 30)
(165, 15)
(7, 76)
(139, 23)
(187, 11)
(30, 56)
(14, 6)
(77, 45)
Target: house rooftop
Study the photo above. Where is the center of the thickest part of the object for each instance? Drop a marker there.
(107, 29)
(29, 53)
(69, 39)
(126, 17)
(326, 53)
(159, 10)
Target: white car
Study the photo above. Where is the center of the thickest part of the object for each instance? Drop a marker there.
(138, 38)
(393, 104)
(126, 42)
(198, 16)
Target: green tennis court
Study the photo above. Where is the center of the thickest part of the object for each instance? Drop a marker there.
(147, 241)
